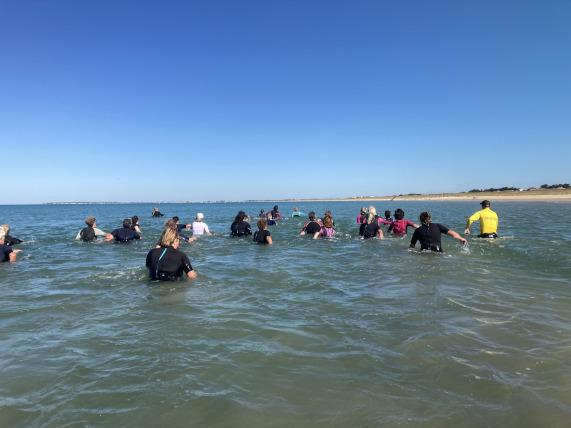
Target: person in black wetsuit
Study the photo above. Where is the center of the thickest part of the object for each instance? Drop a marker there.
(240, 227)
(9, 240)
(312, 226)
(166, 262)
(262, 235)
(124, 234)
(372, 228)
(429, 234)
(156, 213)
(7, 253)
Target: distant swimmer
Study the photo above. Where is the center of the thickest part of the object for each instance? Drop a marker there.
(7, 253)
(296, 212)
(262, 235)
(276, 215)
(199, 227)
(156, 213)
(310, 227)
(327, 229)
(9, 240)
(429, 234)
(362, 220)
(400, 224)
(372, 227)
(240, 227)
(91, 232)
(167, 262)
(125, 233)
(488, 221)
(135, 224)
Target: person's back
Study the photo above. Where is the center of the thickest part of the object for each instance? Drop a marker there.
(400, 224)
(240, 227)
(488, 221)
(125, 234)
(371, 229)
(167, 264)
(87, 234)
(430, 236)
(262, 235)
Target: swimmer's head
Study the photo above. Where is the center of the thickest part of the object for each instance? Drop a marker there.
(127, 223)
(327, 221)
(387, 213)
(169, 238)
(199, 216)
(372, 213)
(176, 219)
(5, 228)
(425, 218)
(399, 214)
(2, 236)
(135, 220)
(262, 223)
(485, 203)
(90, 221)
(311, 215)
(275, 207)
(170, 224)
(295, 209)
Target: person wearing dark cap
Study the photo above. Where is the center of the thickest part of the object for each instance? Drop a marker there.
(488, 221)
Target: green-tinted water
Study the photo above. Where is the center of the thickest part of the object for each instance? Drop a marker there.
(340, 333)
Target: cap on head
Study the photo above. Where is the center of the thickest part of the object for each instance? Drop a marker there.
(199, 216)
(485, 203)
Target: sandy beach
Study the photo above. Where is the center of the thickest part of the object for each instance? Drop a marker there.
(540, 195)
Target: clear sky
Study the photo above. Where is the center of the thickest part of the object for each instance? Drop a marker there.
(204, 100)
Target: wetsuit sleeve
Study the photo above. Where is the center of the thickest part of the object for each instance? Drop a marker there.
(443, 229)
(409, 224)
(114, 233)
(136, 235)
(186, 264)
(474, 217)
(414, 239)
(14, 241)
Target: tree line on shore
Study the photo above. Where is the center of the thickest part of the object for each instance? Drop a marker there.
(515, 189)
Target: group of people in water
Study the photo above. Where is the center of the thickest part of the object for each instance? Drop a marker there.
(166, 262)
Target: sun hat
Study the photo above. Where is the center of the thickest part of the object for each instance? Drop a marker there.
(199, 216)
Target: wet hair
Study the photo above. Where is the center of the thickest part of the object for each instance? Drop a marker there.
(168, 237)
(372, 214)
(175, 218)
(240, 216)
(262, 223)
(170, 224)
(311, 215)
(90, 221)
(399, 214)
(328, 221)
(485, 203)
(134, 220)
(2, 234)
(275, 207)
(387, 213)
(425, 217)
(127, 223)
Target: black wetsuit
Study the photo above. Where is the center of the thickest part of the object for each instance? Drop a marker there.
(10, 240)
(87, 234)
(158, 214)
(429, 236)
(371, 229)
(241, 228)
(125, 234)
(261, 236)
(312, 227)
(167, 264)
(5, 251)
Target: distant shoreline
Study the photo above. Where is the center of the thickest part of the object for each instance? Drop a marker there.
(538, 195)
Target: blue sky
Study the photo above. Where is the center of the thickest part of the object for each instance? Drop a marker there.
(207, 100)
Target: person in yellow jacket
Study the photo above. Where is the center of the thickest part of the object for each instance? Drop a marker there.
(488, 221)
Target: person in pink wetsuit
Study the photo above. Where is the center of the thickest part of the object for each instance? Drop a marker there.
(400, 224)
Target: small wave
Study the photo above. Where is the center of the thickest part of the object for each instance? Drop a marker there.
(469, 307)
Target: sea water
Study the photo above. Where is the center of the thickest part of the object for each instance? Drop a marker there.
(304, 333)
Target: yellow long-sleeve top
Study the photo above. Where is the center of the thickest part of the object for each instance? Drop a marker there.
(488, 220)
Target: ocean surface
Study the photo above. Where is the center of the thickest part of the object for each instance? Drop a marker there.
(304, 333)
